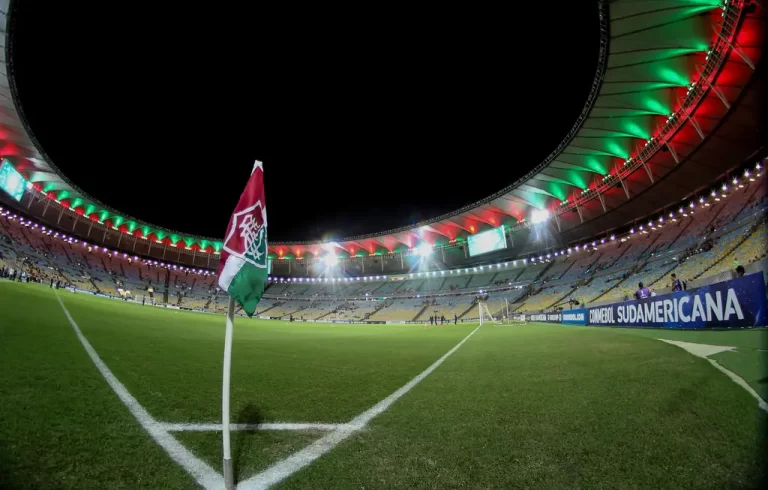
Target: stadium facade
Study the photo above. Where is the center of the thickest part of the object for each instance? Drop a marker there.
(672, 116)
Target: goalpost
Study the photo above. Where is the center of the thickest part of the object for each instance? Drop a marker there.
(484, 314)
(506, 317)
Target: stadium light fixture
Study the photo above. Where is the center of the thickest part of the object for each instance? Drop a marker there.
(539, 216)
(425, 250)
(330, 259)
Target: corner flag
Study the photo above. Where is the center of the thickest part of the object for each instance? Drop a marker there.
(243, 275)
(243, 264)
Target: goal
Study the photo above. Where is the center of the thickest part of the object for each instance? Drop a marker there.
(484, 314)
(515, 320)
(506, 317)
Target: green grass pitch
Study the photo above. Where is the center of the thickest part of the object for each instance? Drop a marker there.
(535, 406)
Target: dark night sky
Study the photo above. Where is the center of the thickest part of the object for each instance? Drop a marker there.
(365, 120)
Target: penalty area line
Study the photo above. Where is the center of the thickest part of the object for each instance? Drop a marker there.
(298, 460)
(203, 474)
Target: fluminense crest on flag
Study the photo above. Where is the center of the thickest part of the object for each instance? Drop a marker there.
(243, 264)
(247, 237)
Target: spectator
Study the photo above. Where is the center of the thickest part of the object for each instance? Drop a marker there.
(642, 292)
(677, 284)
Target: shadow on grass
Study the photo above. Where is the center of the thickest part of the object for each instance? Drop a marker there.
(5, 469)
(761, 480)
(243, 439)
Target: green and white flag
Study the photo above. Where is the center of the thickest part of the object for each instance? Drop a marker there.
(243, 265)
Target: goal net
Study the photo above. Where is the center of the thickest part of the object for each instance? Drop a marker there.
(503, 317)
(485, 315)
(515, 320)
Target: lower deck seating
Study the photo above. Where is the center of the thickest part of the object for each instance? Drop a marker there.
(709, 240)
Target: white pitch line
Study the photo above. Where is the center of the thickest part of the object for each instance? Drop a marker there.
(704, 350)
(214, 427)
(740, 381)
(290, 465)
(206, 476)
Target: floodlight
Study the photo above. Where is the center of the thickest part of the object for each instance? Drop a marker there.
(425, 249)
(330, 259)
(539, 216)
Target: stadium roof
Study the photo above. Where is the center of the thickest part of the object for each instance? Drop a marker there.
(660, 89)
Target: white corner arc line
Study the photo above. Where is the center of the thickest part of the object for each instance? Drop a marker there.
(298, 460)
(214, 427)
(740, 381)
(691, 349)
(206, 476)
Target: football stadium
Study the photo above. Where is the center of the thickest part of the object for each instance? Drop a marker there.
(599, 323)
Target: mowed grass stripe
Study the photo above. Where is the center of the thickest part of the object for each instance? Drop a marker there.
(534, 406)
(544, 407)
(171, 361)
(61, 426)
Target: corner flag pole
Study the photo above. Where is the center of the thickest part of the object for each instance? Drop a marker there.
(229, 480)
(243, 275)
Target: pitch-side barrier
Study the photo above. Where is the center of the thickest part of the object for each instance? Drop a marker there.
(735, 303)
